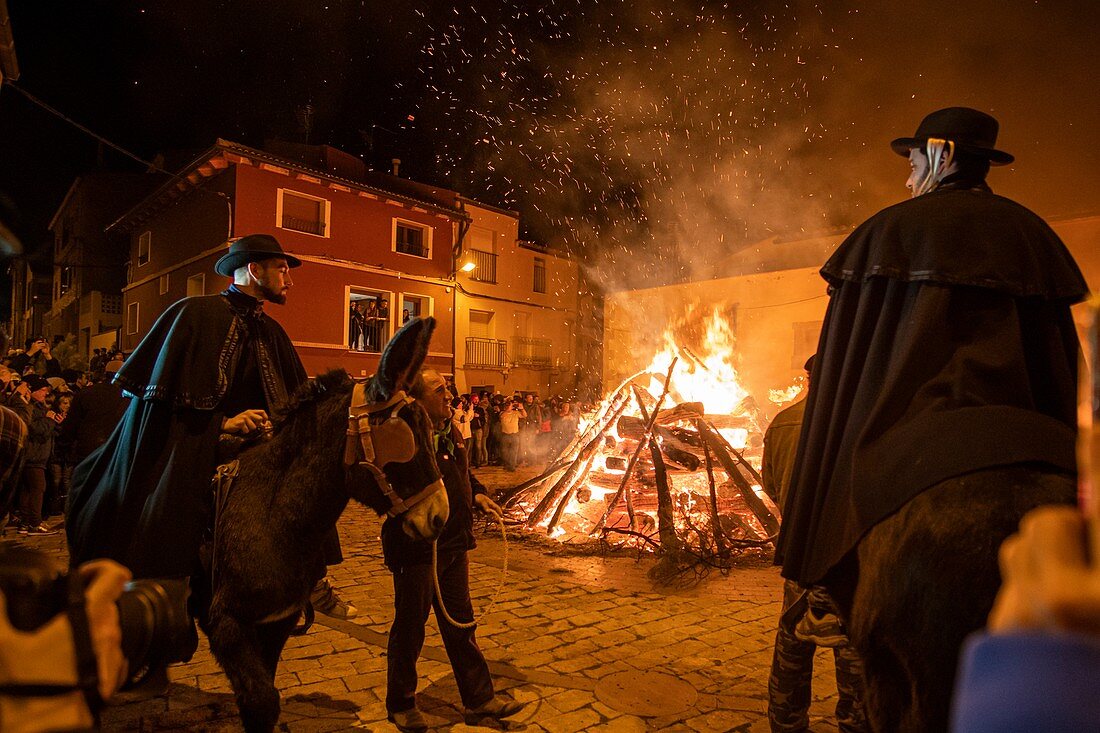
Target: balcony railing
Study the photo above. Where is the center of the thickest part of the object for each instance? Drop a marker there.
(369, 334)
(486, 353)
(412, 248)
(533, 353)
(486, 269)
(303, 225)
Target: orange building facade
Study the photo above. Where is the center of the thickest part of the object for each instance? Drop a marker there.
(371, 252)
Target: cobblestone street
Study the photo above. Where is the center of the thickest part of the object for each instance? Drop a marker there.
(589, 643)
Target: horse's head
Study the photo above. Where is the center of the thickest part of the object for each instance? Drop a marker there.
(389, 446)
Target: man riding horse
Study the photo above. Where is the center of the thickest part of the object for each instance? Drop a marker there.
(210, 366)
(947, 354)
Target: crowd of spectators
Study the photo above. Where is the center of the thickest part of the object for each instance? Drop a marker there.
(514, 431)
(50, 419)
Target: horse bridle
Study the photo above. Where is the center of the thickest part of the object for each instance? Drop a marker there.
(390, 441)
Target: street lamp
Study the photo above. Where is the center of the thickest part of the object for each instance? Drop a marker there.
(467, 263)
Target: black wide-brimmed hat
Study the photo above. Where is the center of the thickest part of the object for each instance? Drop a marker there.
(253, 248)
(972, 131)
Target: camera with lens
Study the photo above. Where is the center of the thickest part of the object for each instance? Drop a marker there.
(152, 613)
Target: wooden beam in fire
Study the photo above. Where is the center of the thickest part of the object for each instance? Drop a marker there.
(723, 451)
(666, 522)
(614, 503)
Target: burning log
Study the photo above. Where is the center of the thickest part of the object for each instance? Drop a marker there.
(666, 524)
(675, 449)
(638, 451)
(575, 473)
(723, 450)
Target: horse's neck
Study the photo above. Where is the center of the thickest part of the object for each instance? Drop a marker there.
(312, 480)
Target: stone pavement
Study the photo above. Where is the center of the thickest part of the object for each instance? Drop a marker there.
(589, 643)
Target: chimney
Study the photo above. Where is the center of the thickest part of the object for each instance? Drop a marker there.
(396, 165)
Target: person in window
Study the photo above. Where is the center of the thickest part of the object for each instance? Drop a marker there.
(356, 326)
(404, 315)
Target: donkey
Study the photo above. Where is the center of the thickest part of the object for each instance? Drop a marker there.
(289, 492)
(924, 578)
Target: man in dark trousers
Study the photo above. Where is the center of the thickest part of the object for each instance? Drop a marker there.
(789, 686)
(948, 355)
(410, 561)
(210, 365)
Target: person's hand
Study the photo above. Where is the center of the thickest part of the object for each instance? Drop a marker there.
(35, 348)
(1051, 578)
(104, 582)
(246, 422)
(487, 505)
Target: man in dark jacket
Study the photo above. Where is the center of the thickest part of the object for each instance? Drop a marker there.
(947, 351)
(210, 365)
(95, 412)
(41, 428)
(36, 359)
(410, 561)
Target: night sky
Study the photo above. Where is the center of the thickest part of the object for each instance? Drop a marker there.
(651, 137)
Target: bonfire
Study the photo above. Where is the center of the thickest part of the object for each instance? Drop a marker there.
(668, 462)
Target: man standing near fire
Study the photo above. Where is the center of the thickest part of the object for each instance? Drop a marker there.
(789, 685)
(946, 372)
(411, 562)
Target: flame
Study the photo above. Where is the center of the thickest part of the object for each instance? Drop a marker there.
(709, 376)
(790, 394)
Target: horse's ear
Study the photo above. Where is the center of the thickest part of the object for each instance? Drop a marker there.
(402, 358)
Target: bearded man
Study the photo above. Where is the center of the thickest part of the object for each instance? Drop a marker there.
(210, 366)
(947, 366)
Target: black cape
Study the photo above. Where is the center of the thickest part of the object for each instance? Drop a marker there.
(947, 347)
(143, 497)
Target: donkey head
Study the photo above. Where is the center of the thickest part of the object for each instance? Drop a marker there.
(400, 472)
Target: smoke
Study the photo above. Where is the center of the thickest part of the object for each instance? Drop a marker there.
(657, 139)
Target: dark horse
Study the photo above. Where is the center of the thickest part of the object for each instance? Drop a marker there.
(291, 490)
(926, 578)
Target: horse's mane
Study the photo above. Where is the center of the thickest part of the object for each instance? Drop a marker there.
(331, 383)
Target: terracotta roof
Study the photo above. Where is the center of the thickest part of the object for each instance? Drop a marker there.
(225, 153)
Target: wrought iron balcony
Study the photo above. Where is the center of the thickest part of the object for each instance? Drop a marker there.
(534, 353)
(412, 248)
(303, 225)
(486, 353)
(486, 266)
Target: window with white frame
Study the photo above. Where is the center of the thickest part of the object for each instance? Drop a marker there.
(196, 285)
(368, 320)
(132, 315)
(414, 306)
(145, 245)
(163, 281)
(410, 238)
(300, 212)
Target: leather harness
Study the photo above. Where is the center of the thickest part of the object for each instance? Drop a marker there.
(389, 441)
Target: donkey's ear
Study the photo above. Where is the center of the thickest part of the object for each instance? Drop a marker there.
(402, 358)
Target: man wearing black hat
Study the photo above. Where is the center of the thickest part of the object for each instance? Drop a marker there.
(947, 350)
(210, 365)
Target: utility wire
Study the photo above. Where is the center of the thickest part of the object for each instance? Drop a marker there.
(61, 115)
